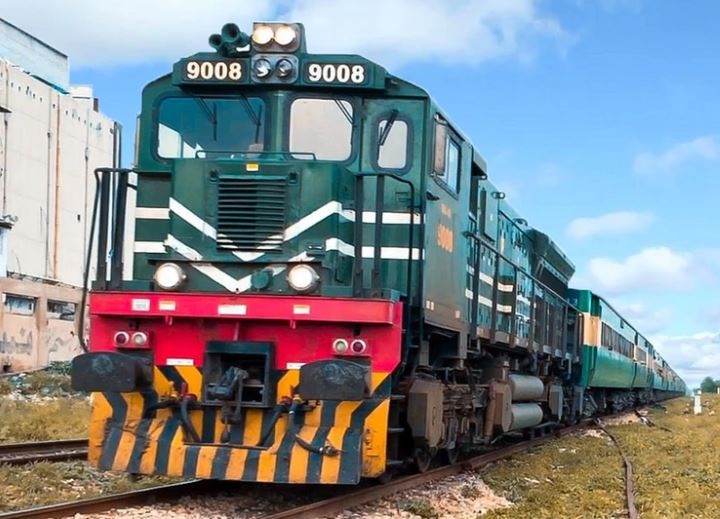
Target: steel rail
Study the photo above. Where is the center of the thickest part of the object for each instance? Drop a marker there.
(345, 501)
(53, 450)
(330, 506)
(629, 484)
(106, 503)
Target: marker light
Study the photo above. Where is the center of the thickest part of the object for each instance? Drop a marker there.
(340, 346)
(262, 68)
(285, 35)
(302, 278)
(262, 35)
(140, 339)
(169, 276)
(284, 67)
(358, 346)
(121, 339)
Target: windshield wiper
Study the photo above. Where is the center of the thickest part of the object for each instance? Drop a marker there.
(345, 112)
(211, 114)
(256, 118)
(388, 126)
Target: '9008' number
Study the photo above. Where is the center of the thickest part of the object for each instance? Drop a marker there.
(213, 70)
(336, 73)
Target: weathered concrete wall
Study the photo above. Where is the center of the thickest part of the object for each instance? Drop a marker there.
(38, 323)
(50, 143)
(34, 55)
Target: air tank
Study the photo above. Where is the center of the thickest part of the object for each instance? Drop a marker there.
(525, 415)
(525, 387)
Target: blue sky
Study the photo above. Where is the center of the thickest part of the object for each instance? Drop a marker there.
(598, 118)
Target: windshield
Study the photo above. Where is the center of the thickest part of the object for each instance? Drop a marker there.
(321, 128)
(190, 127)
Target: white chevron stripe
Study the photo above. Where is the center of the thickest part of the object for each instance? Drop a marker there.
(152, 213)
(302, 225)
(150, 247)
(220, 276)
(193, 219)
(369, 251)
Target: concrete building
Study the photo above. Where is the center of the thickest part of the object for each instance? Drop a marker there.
(52, 137)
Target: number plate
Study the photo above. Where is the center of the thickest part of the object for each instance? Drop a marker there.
(335, 73)
(216, 71)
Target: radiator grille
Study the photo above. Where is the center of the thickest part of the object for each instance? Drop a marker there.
(251, 214)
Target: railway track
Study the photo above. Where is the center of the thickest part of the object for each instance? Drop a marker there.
(54, 450)
(334, 505)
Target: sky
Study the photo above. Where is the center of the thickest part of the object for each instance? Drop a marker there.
(599, 119)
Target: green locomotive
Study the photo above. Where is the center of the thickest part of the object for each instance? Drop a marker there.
(326, 285)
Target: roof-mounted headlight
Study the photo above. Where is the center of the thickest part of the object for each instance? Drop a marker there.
(278, 37)
(262, 35)
(285, 35)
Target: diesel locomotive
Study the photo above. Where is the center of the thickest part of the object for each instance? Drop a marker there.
(325, 284)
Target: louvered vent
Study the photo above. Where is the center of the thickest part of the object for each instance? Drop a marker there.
(251, 214)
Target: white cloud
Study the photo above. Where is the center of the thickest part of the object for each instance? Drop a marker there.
(104, 34)
(702, 148)
(620, 222)
(462, 31)
(693, 357)
(651, 270)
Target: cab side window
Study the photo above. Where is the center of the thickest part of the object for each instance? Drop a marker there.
(452, 165)
(447, 155)
(393, 143)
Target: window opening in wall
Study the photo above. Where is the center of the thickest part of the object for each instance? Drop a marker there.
(61, 310)
(20, 305)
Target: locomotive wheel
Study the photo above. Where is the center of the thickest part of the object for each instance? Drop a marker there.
(423, 457)
(451, 455)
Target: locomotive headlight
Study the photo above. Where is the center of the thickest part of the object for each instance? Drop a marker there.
(262, 35)
(285, 35)
(169, 276)
(262, 68)
(284, 67)
(303, 278)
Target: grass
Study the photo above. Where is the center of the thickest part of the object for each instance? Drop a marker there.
(5, 386)
(42, 381)
(676, 474)
(47, 483)
(45, 420)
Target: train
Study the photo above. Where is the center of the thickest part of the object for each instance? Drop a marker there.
(326, 286)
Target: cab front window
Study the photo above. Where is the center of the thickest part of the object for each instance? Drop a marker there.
(321, 129)
(198, 127)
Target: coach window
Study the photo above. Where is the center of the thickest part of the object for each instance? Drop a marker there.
(321, 129)
(393, 142)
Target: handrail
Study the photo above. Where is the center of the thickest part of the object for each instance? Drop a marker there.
(516, 268)
(102, 195)
(247, 154)
(379, 206)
